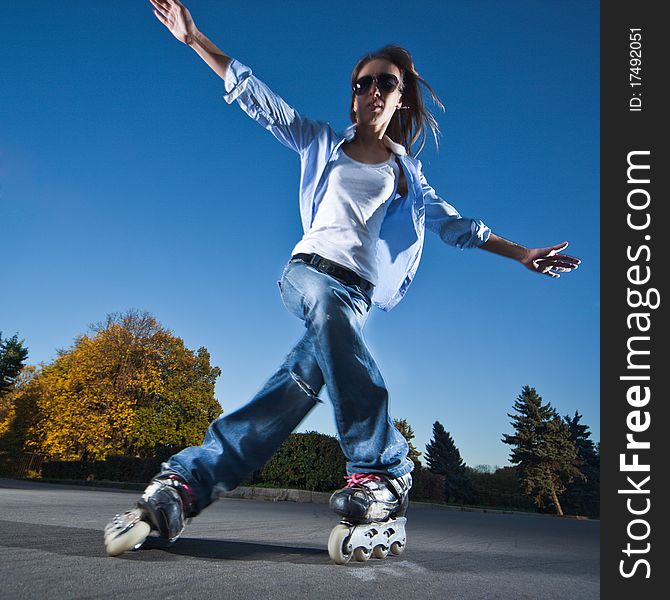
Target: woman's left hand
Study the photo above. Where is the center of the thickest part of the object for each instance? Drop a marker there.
(549, 261)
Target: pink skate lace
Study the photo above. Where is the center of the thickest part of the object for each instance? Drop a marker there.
(189, 500)
(358, 479)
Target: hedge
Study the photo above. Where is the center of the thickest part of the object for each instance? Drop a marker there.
(307, 461)
(499, 489)
(115, 468)
(426, 486)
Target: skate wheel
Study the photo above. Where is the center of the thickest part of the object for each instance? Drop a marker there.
(397, 548)
(380, 551)
(337, 544)
(119, 544)
(362, 554)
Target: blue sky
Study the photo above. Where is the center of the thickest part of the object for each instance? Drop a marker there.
(127, 182)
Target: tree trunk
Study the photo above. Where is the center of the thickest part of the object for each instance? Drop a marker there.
(557, 504)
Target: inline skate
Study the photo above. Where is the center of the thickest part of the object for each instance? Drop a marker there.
(165, 504)
(372, 507)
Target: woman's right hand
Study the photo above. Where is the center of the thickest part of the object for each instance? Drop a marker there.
(175, 16)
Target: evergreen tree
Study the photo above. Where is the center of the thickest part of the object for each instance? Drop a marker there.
(408, 433)
(583, 495)
(443, 458)
(12, 359)
(436, 450)
(546, 456)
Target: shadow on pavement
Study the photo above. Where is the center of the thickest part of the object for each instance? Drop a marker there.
(235, 550)
(72, 541)
(66, 541)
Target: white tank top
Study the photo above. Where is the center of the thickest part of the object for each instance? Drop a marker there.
(349, 217)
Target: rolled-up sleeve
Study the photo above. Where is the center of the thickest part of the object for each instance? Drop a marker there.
(267, 108)
(445, 221)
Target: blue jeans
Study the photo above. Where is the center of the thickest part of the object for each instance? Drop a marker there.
(332, 351)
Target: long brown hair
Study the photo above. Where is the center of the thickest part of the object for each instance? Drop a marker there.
(410, 123)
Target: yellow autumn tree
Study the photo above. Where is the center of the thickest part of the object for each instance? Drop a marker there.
(128, 387)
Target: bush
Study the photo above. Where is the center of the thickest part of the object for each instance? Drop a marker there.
(307, 461)
(115, 468)
(499, 489)
(426, 486)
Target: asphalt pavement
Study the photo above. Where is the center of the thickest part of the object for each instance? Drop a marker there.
(51, 547)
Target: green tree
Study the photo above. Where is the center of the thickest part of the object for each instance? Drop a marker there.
(498, 487)
(128, 387)
(443, 458)
(408, 433)
(17, 411)
(583, 495)
(546, 456)
(12, 359)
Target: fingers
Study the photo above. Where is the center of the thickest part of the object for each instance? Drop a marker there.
(543, 267)
(160, 11)
(160, 17)
(563, 264)
(551, 253)
(553, 266)
(161, 5)
(551, 271)
(571, 259)
(553, 250)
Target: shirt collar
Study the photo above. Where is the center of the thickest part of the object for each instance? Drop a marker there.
(394, 147)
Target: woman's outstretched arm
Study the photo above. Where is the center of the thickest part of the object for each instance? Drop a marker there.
(176, 17)
(254, 97)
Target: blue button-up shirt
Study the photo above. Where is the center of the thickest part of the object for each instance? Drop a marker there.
(401, 236)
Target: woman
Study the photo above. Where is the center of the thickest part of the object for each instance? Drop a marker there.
(364, 203)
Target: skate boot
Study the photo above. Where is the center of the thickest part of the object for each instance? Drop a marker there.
(164, 505)
(373, 510)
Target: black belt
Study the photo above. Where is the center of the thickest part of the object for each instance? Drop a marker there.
(339, 272)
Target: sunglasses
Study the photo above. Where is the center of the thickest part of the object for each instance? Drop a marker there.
(386, 82)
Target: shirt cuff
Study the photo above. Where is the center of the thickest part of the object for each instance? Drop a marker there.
(237, 77)
(478, 235)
